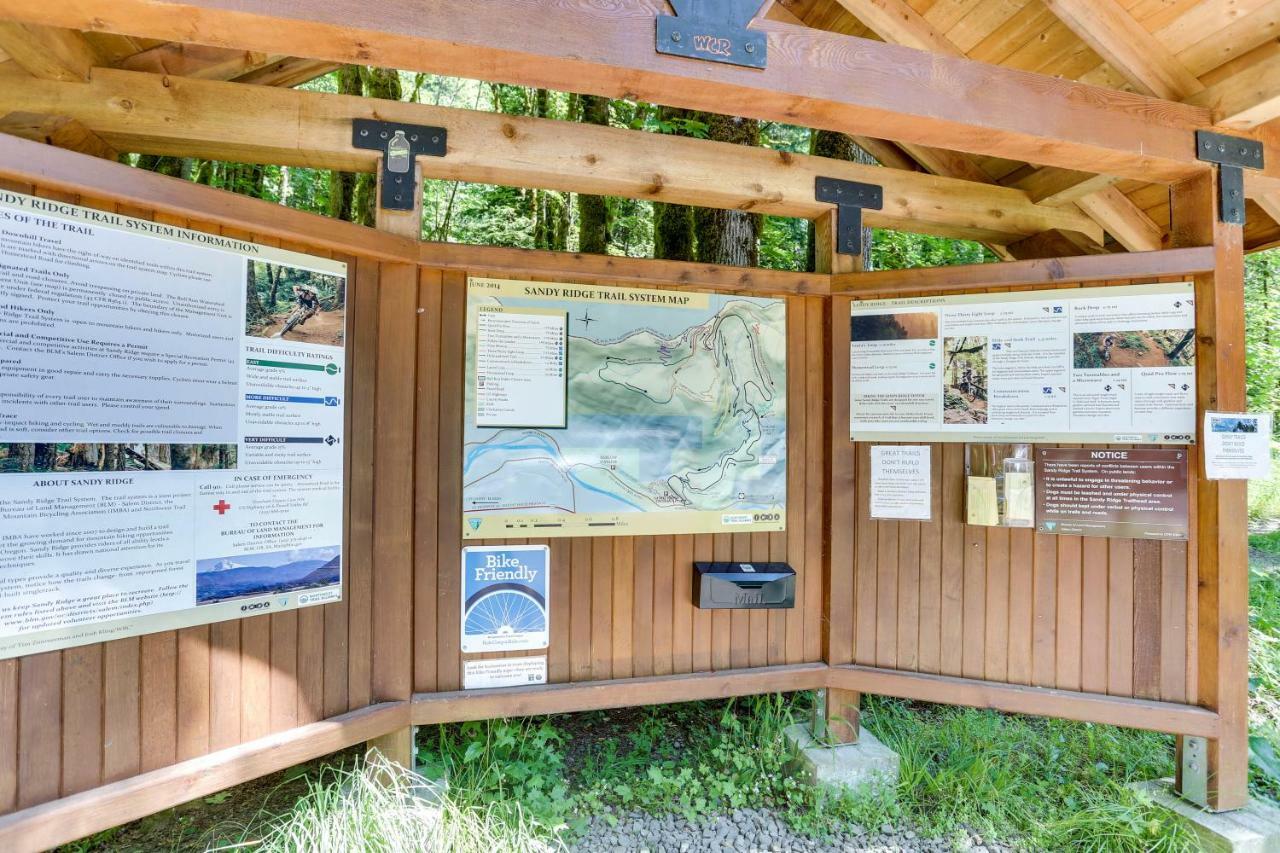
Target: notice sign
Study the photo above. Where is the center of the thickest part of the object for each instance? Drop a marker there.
(901, 486)
(504, 672)
(171, 427)
(1089, 364)
(505, 598)
(1237, 446)
(622, 411)
(1133, 494)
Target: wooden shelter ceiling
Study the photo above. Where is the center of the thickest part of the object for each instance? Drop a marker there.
(1223, 54)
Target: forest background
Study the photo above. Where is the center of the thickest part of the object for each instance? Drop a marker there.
(545, 219)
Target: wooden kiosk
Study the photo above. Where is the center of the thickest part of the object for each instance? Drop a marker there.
(1063, 134)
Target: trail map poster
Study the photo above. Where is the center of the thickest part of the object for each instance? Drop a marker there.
(604, 411)
(171, 427)
(506, 595)
(1104, 364)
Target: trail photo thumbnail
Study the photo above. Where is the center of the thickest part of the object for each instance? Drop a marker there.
(294, 304)
(908, 325)
(1140, 348)
(964, 380)
(29, 458)
(245, 576)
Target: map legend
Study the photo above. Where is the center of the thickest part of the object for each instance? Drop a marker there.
(520, 367)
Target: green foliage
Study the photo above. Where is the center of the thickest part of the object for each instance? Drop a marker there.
(1262, 331)
(896, 250)
(1051, 784)
(1264, 495)
(1264, 666)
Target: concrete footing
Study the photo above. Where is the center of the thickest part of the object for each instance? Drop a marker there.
(867, 764)
(1252, 829)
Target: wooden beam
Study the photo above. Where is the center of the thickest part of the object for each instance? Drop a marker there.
(289, 72)
(581, 45)
(1082, 270)
(59, 821)
(500, 261)
(1247, 99)
(452, 707)
(51, 53)
(194, 60)
(1113, 33)
(1123, 220)
(1270, 205)
(1222, 558)
(1019, 699)
(59, 131)
(201, 118)
(1061, 186)
(898, 23)
(28, 162)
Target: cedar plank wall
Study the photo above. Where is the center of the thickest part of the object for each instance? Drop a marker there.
(74, 719)
(620, 606)
(1007, 604)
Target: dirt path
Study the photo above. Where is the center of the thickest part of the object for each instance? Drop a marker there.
(1124, 357)
(324, 328)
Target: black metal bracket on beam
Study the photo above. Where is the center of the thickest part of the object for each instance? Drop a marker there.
(850, 199)
(714, 30)
(399, 144)
(1232, 154)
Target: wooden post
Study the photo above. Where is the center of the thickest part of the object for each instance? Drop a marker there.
(837, 718)
(1216, 773)
(392, 665)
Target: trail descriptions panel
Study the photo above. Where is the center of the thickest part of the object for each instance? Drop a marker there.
(1105, 364)
(605, 411)
(171, 427)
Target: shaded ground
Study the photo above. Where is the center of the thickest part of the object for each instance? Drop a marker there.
(326, 327)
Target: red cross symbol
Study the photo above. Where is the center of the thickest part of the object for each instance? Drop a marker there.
(222, 506)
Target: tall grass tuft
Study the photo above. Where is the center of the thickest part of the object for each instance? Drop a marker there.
(379, 807)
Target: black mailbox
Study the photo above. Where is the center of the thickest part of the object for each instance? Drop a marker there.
(752, 586)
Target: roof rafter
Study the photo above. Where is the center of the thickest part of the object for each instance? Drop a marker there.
(1247, 99)
(218, 120)
(896, 21)
(607, 49)
(1112, 32)
(51, 53)
(194, 60)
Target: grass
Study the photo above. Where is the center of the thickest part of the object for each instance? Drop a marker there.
(1264, 495)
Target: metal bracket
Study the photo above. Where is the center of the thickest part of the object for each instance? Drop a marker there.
(1232, 154)
(714, 30)
(399, 145)
(1195, 770)
(850, 199)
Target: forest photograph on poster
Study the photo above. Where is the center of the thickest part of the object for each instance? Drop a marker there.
(965, 380)
(294, 304)
(1134, 348)
(37, 458)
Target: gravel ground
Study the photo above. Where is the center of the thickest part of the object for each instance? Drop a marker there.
(754, 831)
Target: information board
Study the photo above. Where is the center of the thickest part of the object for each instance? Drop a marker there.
(171, 427)
(1105, 364)
(1138, 493)
(605, 411)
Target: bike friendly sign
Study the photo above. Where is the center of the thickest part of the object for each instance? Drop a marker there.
(505, 598)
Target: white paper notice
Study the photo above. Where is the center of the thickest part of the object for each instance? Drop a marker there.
(1108, 364)
(171, 427)
(1237, 446)
(504, 672)
(901, 485)
(520, 367)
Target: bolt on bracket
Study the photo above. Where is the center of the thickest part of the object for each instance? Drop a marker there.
(1232, 155)
(399, 145)
(850, 199)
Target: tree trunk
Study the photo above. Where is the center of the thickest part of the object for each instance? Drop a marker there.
(44, 457)
(342, 185)
(729, 236)
(181, 457)
(673, 224)
(593, 212)
(26, 456)
(838, 146)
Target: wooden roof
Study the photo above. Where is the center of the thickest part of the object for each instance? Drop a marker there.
(1219, 54)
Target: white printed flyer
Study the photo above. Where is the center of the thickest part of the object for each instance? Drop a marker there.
(171, 427)
(1237, 446)
(1106, 364)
